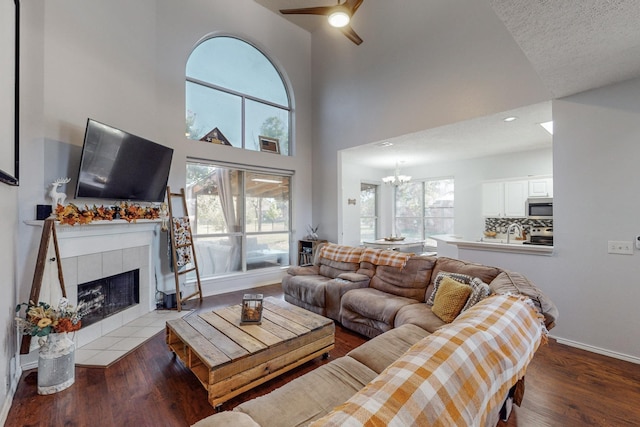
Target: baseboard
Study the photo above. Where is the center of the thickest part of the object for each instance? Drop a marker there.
(8, 401)
(598, 350)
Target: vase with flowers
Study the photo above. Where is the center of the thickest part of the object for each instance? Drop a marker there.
(56, 357)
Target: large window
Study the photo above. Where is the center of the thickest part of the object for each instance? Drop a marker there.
(235, 95)
(241, 218)
(368, 212)
(425, 208)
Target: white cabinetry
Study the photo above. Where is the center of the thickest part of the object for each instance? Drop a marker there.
(504, 199)
(493, 199)
(541, 187)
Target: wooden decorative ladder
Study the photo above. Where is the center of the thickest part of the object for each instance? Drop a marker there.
(183, 250)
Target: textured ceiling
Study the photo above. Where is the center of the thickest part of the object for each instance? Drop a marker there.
(576, 45)
(573, 45)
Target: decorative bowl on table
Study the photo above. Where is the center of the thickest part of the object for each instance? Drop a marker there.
(394, 239)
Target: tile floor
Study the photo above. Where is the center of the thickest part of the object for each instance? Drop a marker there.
(106, 350)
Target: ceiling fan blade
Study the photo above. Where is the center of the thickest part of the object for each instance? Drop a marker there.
(320, 10)
(353, 5)
(348, 31)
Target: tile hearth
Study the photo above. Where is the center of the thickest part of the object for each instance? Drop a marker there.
(116, 344)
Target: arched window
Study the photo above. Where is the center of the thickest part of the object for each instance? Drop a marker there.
(235, 96)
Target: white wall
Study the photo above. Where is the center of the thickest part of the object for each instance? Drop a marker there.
(468, 175)
(595, 188)
(398, 82)
(123, 63)
(8, 228)
(404, 80)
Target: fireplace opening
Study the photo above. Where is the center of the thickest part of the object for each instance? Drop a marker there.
(104, 297)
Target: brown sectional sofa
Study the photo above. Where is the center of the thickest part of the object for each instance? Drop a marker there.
(372, 299)
(383, 302)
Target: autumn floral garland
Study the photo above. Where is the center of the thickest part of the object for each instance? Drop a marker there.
(72, 214)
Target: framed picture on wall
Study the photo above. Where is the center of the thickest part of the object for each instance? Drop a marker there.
(271, 145)
(9, 76)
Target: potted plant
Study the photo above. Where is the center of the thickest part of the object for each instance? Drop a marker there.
(56, 357)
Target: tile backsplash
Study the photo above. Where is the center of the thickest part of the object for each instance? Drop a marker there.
(499, 225)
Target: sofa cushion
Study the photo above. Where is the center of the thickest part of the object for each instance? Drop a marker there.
(375, 310)
(227, 418)
(450, 299)
(310, 289)
(458, 277)
(480, 291)
(485, 273)
(515, 283)
(304, 270)
(310, 396)
(383, 350)
(333, 269)
(408, 282)
(419, 315)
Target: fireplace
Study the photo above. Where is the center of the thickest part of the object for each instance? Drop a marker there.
(107, 296)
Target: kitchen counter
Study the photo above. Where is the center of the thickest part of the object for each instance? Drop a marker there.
(489, 244)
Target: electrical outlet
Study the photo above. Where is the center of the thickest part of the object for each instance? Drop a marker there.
(622, 247)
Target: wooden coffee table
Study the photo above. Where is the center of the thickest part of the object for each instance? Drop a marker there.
(229, 358)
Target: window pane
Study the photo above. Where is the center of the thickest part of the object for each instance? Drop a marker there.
(265, 120)
(267, 250)
(411, 228)
(368, 200)
(218, 255)
(217, 197)
(213, 195)
(234, 64)
(368, 229)
(208, 109)
(267, 202)
(409, 199)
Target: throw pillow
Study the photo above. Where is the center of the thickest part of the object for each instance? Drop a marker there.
(480, 291)
(450, 299)
(462, 278)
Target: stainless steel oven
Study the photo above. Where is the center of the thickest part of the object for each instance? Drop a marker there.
(539, 208)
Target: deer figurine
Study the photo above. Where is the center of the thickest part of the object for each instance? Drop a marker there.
(57, 198)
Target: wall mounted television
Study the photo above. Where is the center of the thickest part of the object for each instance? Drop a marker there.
(120, 166)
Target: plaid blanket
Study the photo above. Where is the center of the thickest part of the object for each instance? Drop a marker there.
(385, 257)
(341, 253)
(454, 377)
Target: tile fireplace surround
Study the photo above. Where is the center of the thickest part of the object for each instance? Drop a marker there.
(102, 249)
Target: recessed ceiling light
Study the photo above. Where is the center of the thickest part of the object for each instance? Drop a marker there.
(548, 126)
(509, 119)
(385, 144)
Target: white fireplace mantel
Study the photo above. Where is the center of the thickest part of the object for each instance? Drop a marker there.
(101, 249)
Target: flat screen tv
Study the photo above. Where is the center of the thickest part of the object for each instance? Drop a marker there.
(120, 166)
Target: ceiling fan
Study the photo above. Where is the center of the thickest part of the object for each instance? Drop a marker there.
(339, 16)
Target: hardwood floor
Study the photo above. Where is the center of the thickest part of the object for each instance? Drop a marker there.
(149, 387)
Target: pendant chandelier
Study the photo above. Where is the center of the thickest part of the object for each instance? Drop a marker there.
(396, 179)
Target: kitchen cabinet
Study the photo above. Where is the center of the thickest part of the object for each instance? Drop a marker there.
(541, 187)
(504, 199)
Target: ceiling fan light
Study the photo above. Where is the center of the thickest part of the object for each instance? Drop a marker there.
(339, 17)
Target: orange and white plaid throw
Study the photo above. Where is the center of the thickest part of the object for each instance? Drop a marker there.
(455, 376)
(341, 253)
(385, 257)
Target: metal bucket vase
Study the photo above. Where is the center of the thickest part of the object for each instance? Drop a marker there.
(56, 363)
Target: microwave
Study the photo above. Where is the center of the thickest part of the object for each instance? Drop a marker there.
(539, 208)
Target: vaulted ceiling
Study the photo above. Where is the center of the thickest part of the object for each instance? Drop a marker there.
(572, 45)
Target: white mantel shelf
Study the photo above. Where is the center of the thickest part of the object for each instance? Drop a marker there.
(497, 246)
(114, 234)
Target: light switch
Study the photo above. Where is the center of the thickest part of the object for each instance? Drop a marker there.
(622, 247)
